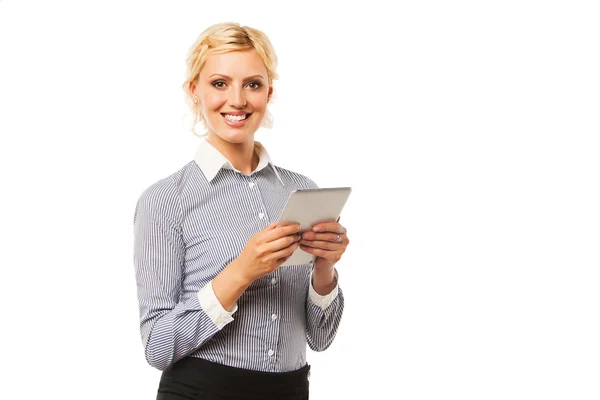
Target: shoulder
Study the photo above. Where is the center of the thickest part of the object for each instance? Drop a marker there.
(162, 199)
(295, 177)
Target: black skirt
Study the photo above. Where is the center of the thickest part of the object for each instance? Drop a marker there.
(199, 379)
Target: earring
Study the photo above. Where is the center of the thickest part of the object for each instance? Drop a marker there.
(195, 100)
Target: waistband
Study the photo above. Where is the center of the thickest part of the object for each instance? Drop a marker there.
(203, 374)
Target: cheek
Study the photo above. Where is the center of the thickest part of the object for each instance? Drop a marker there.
(258, 101)
(214, 101)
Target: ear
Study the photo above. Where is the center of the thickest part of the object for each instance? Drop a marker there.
(193, 90)
(270, 93)
(194, 87)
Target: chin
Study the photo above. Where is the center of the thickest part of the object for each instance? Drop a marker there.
(234, 135)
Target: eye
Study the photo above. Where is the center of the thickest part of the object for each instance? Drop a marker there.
(257, 85)
(219, 84)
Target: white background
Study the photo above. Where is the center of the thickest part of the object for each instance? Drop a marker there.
(467, 129)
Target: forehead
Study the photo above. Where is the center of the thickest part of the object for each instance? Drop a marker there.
(236, 64)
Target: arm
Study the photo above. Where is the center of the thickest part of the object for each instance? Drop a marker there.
(170, 329)
(323, 313)
(324, 303)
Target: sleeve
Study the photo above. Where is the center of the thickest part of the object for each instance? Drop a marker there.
(323, 316)
(323, 313)
(212, 306)
(323, 301)
(170, 329)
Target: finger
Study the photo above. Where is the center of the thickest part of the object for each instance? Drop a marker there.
(331, 237)
(319, 244)
(285, 252)
(281, 242)
(283, 231)
(329, 227)
(272, 226)
(326, 254)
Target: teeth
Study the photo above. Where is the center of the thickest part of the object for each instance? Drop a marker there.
(235, 117)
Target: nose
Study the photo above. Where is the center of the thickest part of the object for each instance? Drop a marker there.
(237, 97)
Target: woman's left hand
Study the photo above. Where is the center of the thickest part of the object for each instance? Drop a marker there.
(328, 241)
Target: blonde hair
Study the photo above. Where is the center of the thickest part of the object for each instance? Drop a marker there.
(223, 38)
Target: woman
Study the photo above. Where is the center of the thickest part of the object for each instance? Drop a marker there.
(218, 315)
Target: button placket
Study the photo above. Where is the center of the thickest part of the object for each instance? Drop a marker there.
(256, 195)
(273, 323)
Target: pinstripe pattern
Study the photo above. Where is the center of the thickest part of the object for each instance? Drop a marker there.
(187, 228)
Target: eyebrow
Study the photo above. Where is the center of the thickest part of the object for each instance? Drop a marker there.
(249, 77)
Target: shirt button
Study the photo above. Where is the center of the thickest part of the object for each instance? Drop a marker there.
(261, 215)
(251, 184)
(271, 352)
(273, 317)
(273, 281)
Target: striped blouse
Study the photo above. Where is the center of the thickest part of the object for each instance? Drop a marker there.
(187, 228)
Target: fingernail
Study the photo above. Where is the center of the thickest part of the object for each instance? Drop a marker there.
(317, 228)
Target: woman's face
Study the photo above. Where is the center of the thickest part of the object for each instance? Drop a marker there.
(233, 90)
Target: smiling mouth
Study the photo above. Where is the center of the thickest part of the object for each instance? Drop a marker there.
(236, 118)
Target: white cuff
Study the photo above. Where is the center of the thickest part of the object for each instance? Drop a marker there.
(213, 308)
(323, 301)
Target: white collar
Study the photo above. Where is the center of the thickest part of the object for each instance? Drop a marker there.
(210, 160)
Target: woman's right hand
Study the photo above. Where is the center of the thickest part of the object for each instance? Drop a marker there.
(267, 250)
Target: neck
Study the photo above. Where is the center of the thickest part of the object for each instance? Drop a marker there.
(242, 155)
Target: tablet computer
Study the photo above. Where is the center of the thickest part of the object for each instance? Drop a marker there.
(309, 207)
